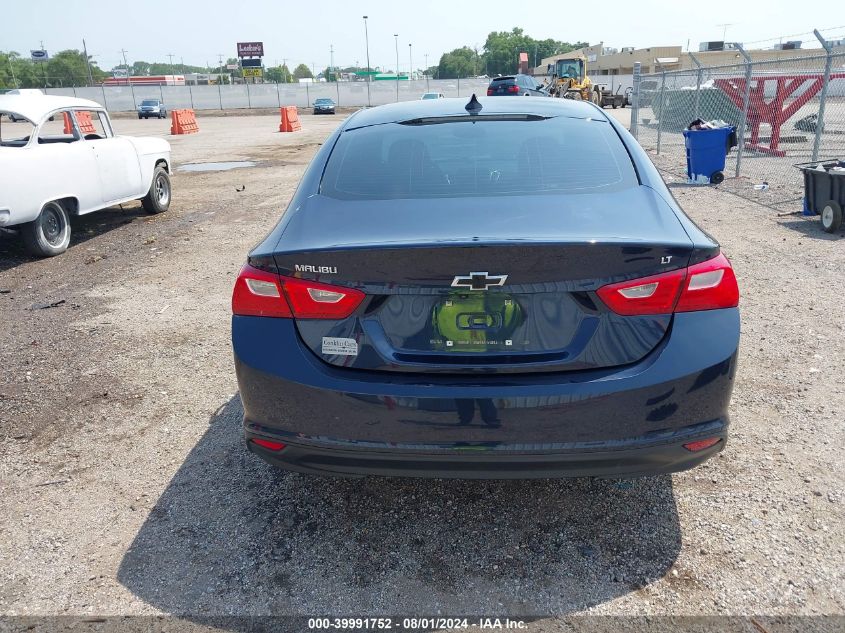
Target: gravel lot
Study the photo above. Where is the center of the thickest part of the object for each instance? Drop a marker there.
(126, 489)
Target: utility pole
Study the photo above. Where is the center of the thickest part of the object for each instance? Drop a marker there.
(170, 55)
(285, 68)
(12, 68)
(426, 71)
(331, 62)
(396, 39)
(87, 63)
(367, 40)
(126, 65)
(411, 62)
(724, 30)
(131, 87)
(43, 72)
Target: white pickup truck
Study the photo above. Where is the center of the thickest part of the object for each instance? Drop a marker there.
(60, 157)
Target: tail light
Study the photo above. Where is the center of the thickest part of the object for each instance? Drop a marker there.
(709, 285)
(489, 92)
(514, 89)
(259, 293)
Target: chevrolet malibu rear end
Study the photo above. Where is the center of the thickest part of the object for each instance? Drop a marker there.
(500, 290)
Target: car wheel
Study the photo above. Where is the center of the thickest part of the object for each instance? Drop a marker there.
(140, 117)
(831, 216)
(49, 233)
(615, 105)
(157, 199)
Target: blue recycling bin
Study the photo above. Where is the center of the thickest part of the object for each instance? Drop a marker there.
(706, 152)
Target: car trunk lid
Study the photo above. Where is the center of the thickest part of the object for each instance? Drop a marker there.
(507, 285)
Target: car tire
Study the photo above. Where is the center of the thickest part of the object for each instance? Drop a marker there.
(48, 234)
(831, 216)
(158, 197)
(140, 117)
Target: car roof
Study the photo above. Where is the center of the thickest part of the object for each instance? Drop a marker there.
(406, 110)
(35, 107)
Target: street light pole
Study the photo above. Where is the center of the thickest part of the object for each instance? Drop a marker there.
(367, 40)
(410, 62)
(396, 39)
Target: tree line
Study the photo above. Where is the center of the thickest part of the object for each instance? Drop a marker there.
(498, 56)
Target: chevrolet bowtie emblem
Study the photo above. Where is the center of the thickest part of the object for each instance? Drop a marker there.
(479, 281)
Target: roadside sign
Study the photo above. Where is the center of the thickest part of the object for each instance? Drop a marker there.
(39, 55)
(252, 72)
(251, 62)
(250, 49)
(231, 66)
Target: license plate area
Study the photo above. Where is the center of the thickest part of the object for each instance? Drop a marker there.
(475, 322)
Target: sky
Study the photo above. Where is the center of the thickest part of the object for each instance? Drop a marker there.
(305, 32)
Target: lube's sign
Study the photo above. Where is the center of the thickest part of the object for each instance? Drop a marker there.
(250, 49)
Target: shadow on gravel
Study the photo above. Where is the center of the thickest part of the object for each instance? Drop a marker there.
(231, 536)
(83, 228)
(812, 228)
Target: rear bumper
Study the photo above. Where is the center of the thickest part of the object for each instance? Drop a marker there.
(620, 422)
(633, 458)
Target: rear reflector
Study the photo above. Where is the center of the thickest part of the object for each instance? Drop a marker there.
(261, 293)
(268, 444)
(709, 285)
(700, 445)
(489, 92)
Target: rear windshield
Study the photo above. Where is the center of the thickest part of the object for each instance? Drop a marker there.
(477, 158)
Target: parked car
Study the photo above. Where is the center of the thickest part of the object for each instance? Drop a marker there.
(151, 107)
(432, 95)
(501, 288)
(515, 85)
(60, 157)
(324, 106)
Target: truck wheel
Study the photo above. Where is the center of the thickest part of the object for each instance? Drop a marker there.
(157, 199)
(717, 177)
(615, 105)
(49, 233)
(831, 216)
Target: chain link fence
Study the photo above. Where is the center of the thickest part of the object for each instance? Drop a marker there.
(785, 111)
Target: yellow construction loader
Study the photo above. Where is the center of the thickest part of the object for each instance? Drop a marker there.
(568, 80)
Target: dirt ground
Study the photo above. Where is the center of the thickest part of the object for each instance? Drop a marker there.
(126, 489)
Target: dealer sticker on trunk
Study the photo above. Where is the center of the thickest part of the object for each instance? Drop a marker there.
(340, 346)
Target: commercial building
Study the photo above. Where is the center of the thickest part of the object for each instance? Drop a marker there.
(602, 60)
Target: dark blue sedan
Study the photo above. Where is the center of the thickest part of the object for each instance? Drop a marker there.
(503, 288)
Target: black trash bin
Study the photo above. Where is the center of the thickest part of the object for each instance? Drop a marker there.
(824, 191)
